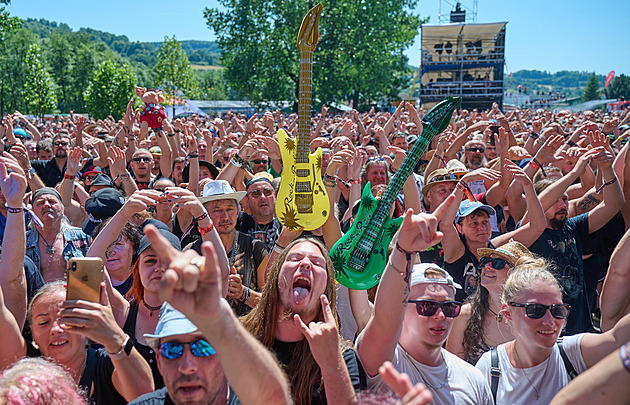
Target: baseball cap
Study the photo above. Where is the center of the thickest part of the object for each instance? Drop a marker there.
(418, 276)
(467, 207)
(103, 204)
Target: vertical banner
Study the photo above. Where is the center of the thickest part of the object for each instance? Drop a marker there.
(609, 78)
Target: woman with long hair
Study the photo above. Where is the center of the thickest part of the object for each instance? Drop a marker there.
(300, 289)
(480, 325)
(532, 369)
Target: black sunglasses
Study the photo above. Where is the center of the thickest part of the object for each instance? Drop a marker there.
(429, 307)
(497, 264)
(443, 177)
(142, 159)
(259, 161)
(175, 350)
(61, 143)
(257, 193)
(473, 149)
(537, 311)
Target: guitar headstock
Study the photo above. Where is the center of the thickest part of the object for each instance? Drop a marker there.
(439, 116)
(309, 31)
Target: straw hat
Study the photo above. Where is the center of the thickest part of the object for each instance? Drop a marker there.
(511, 251)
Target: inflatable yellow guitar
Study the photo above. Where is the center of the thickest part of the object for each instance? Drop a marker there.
(302, 200)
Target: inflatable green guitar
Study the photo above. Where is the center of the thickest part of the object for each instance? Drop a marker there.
(360, 255)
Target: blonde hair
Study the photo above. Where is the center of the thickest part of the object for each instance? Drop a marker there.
(527, 272)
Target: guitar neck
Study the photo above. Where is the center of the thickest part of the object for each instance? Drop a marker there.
(303, 137)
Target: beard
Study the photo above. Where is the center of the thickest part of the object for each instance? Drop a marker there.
(475, 161)
(557, 223)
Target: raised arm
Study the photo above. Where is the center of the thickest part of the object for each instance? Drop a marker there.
(614, 300)
(377, 342)
(193, 286)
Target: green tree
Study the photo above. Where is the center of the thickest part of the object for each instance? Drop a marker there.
(591, 91)
(359, 56)
(60, 55)
(39, 92)
(619, 87)
(212, 84)
(174, 75)
(13, 69)
(110, 90)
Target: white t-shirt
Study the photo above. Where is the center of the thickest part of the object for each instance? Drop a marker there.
(464, 384)
(514, 386)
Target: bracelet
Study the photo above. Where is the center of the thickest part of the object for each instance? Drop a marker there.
(202, 216)
(462, 186)
(12, 210)
(277, 249)
(407, 276)
(240, 161)
(192, 155)
(235, 162)
(207, 229)
(605, 184)
(246, 293)
(402, 273)
(329, 183)
(124, 351)
(31, 172)
(623, 353)
(68, 177)
(534, 135)
(571, 143)
(170, 135)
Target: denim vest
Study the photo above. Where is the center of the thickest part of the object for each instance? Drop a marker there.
(76, 244)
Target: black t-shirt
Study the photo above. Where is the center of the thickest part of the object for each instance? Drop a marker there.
(434, 254)
(49, 172)
(284, 353)
(267, 233)
(161, 397)
(98, 374)
(124, 288)
(145, 351)
(465, 271)
(563, 247)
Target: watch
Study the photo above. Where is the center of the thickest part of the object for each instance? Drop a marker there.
(124, 351)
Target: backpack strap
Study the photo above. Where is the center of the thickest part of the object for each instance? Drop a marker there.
(567, 363)
(495, 373)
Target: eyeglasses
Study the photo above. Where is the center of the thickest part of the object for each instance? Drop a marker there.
(61, 143)
(175, 350)
(537, 311)
(473, 149)
(429, 307)
(259, 161)
(497, 264)
(142, 159)
(443, 177)
(257, 193)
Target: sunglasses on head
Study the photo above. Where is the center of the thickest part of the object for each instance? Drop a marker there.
(175, 350)
(473, 149)
(429, 307)
(61, 143)
(257, 193)
(443, 177)
(537, 311)
(376, 158)
(142, 159)
(497, 264)
(259, 161)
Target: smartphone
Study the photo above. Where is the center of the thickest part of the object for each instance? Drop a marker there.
(83, 278)
(495, 132)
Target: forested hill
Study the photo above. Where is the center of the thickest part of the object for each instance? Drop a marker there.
(568, 82)
(199, 52)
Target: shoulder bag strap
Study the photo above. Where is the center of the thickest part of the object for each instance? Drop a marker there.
(495, 373)
(567, 363)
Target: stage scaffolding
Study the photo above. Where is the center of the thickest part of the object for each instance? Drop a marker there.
(464, 60)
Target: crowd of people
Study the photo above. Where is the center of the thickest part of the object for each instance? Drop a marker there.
(506, 283)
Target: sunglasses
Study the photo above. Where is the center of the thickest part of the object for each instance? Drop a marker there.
(429, 307)
(61, 143)
(480, 150)
(443, 177)
(259, 161)
(175, 350)
(257, 193)
(497, 264)
(142, 159)
(376, 158)
(537, 311)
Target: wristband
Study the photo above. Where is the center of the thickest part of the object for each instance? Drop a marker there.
(236, 162)
(31, 172)
(240, 160)
(207, 229)
(278, 249)
(202, 216)
(12, 210)
(246, 293)
(623, 353)
(533, 135)
(192, 155)
(600, 188)
(68, 177)
(571, 143)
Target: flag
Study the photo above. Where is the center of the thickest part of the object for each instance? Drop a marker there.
(609, 78)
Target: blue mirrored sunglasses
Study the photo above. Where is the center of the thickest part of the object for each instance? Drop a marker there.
(175, 350)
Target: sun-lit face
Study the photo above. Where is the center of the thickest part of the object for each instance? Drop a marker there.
(302, 280)
(119, 258)
(48, 207)
(50, 336)
(223, 214)
(178, 169)
(494, 279)
(536, 333)
(377, 174)
(558, 213)
(438, 193)
(476, 227)
(261, 199)
(151, 270)
(429, 332)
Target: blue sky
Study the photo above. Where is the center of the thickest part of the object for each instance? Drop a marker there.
(549, 35)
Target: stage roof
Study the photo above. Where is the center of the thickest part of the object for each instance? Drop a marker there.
(470, 31)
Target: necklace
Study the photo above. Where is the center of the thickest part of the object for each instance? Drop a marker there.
(50, 249)
(234, 249)
(524, 372)
(426, 382)
(498, 317)
(150, 308)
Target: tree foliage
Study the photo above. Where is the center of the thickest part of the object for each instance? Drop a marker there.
(619, 87)
(110, 90)
(359, 56)
(173, 72)
(591, 91)
(39, 93)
